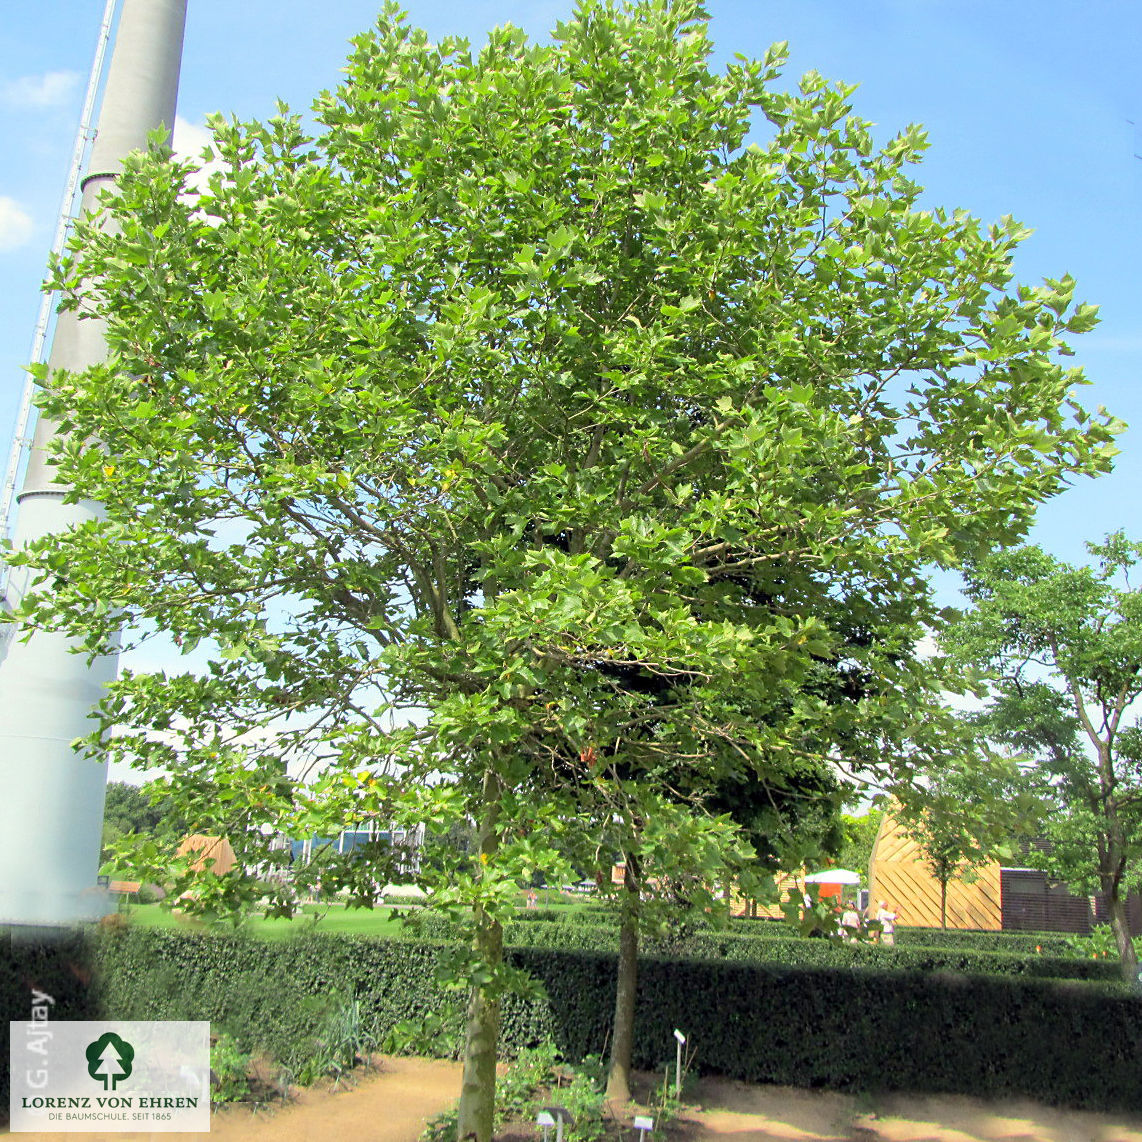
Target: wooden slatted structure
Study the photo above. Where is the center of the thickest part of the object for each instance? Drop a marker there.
(208, 849)
(790, 885)
(897, 873)
(787, 886)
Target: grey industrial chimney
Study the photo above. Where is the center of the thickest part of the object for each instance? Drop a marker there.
(51, 798)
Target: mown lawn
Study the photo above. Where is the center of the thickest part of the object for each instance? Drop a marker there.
(354, 921)
(317, 918)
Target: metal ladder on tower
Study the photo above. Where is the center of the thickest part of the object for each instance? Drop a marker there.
(22, 436)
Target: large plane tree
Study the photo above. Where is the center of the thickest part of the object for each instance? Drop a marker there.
(526, 372)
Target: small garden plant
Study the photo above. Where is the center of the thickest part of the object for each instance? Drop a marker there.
(1100, 944)
(537, 1079)
(229, 1071)
(344, 1039)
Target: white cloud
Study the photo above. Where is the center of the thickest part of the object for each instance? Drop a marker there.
(190, 138)
(16, 225)
(52, 89)
(189, 141)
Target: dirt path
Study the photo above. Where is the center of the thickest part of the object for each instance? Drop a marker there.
(390, 1104)
(743, 1113)
(393, 1103)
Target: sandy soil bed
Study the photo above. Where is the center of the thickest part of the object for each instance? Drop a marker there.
(744, 1113)
(392, 1104)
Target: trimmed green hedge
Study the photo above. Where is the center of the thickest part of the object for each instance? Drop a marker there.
(1068, 1044)
(791, 951)
(1031, 943)
(822, 953)
(572, 914)
(1052, 943)
(270, 994)
(971, 939)
(855, 1028)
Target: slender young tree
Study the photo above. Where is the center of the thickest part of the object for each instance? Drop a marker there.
(674, 862)
(524, 367)
(973, 810)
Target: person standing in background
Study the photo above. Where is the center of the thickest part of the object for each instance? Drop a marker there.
(850, 923)
(887, 921)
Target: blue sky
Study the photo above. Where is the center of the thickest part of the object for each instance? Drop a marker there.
(1030, 110)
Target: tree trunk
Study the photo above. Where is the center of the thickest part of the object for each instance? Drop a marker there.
(1111, 878)
(1111, 874)
(1114, 866)
(482, 1029)
(1120, 926)
(944, 905)
(626, 988)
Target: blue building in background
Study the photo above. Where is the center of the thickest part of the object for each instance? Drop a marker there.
(407, 842)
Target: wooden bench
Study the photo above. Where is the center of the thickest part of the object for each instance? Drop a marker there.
(124, 889)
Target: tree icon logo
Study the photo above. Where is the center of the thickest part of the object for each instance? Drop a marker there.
(109, 1059)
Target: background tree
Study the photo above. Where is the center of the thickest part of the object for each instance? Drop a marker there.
(130, 810)
(675, 860)
(786, 814)
(970, 812)
(1063, 645)
(859, 836)
(519, 368)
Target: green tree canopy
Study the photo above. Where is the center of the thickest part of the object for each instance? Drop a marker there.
(130, 810)
(858, 836)
(139, 811)
(1063, 644)
(523, 377)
